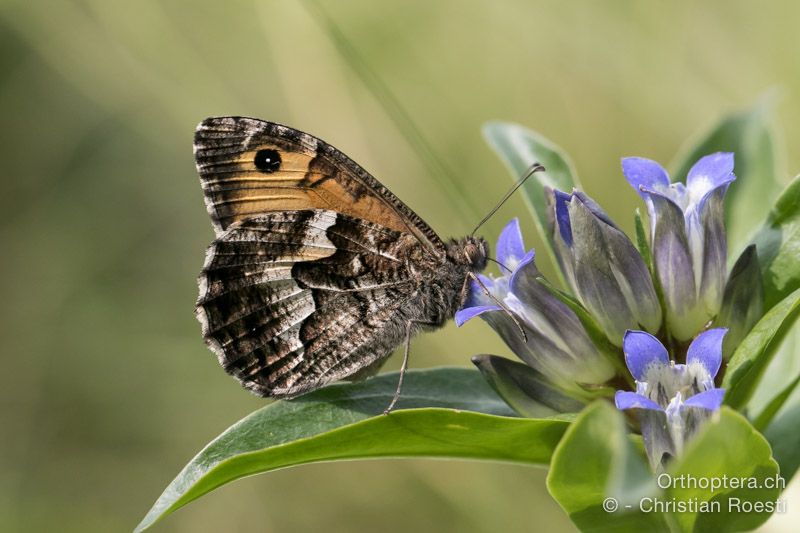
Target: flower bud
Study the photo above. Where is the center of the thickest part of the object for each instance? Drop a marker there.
(603, 267)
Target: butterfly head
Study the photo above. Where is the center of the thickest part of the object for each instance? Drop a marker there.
(470, 251)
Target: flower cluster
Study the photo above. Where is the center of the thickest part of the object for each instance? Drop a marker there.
(624, 306)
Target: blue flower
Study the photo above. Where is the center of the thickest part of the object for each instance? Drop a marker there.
(671, 400)
(687, 234)
(602, 266)
(557, 345)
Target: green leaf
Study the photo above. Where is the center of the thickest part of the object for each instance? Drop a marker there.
(454, 415)
(748, 135)
(784, 437)
(728, 446)
(642, 242)
(519, 148)
(595, 461)
(742, 300)
(772, 408)
(778, 243)
(756, 350)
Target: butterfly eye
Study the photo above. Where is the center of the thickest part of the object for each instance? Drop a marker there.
(267, 160)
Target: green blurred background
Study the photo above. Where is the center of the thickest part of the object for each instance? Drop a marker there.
(107, 388)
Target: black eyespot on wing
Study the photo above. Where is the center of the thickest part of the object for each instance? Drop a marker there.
(268, 161)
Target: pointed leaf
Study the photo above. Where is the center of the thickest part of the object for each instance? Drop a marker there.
(742, 301)
(642, 242)
(756, 350)
(784, 438)
(344, 421)
(775, 405)
(778, 243)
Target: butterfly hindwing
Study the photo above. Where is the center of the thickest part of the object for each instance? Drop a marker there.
(291, 300)
(249, 166)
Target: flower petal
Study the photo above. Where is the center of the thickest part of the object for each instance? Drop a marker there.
(526, 259)
(562, 201)
(525, 273)
(707, 350)
(510, 247)
(710, 172)
(560, 335)
(477, 294)
(463, 315)
(715, 251)
(642, 351)
(710, 400)
(674, 267)
(631, 400)
(594, 207)
(657, 437)
(641, 172)
(487, 282)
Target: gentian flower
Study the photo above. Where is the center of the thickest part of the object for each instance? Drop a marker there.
(558, 346)
(671, 400)
(687, 235)
(602, 266)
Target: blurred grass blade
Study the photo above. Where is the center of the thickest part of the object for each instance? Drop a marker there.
(756, 350)
(778, 243)
(519, 148)
(444, 412)
(749, 136)
(438, 169)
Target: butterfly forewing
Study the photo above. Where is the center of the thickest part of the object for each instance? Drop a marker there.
(304, 173)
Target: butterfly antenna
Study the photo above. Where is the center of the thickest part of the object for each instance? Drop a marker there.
(495, 261)
(534, 168)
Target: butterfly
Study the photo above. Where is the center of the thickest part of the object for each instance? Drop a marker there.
(318, 271)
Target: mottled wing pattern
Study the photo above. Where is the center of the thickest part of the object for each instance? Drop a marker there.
(291, 300)
(311, 175)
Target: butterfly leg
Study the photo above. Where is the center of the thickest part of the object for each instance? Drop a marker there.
(501, 305)
(403, 368)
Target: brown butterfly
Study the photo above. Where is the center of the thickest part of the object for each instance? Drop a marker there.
(318, 272)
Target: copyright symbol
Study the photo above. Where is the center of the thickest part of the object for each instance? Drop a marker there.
(610, 505)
